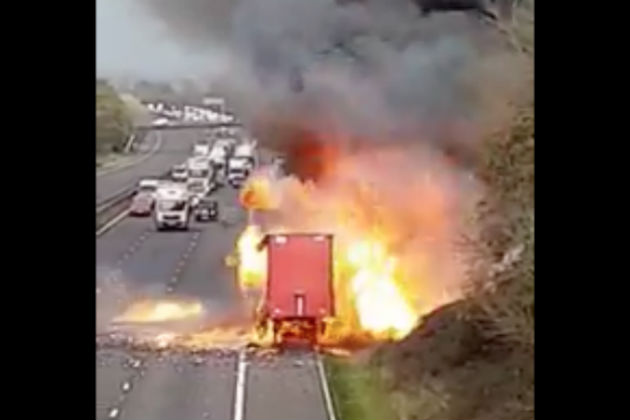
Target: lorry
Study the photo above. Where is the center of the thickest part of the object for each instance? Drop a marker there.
(245, 151)
(219, 156)
(238, 171)
(241, 164)
(172, 207)
(200, 176)
(298, 299)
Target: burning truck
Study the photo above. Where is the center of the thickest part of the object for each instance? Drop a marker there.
(319, 280)
(299, 297)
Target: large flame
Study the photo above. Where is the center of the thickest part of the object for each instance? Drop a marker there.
(154, 324)
(257, 194)
(381, 305)
(393, 220)
(252, 260)
(156, 311)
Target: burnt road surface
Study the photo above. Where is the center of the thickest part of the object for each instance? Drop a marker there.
(135, 260)
(168, 148)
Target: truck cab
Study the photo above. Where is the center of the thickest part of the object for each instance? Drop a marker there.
(218, 156)
(238, 171)
(172, 207)
(241, 164)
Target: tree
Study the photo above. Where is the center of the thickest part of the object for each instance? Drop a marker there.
(113, 122)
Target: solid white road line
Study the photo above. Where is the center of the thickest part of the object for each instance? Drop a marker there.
(111, 223)
(325, 390)
(239, 392)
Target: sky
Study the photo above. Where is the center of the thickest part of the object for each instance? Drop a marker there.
(129, 43)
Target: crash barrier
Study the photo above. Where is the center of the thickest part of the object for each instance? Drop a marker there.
(186, 126)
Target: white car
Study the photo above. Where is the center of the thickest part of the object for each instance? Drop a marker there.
(148, 186)
(161, 122)
(179, 173)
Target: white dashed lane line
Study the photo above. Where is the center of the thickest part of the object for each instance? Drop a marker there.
(133, 247)
(126, 387)
(170, 288)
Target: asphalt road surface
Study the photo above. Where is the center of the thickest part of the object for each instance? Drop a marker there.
(135, 260)
(173, 148)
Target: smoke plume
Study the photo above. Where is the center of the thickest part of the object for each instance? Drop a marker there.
(364, 96)
(371, 69)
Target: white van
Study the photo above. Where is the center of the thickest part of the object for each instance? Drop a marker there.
(172, 207)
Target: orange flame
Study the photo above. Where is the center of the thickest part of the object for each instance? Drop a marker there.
(381, 306)
(392, 256)
(155, 311)
(252, 261)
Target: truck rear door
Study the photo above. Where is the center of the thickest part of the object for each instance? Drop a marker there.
(300, 276)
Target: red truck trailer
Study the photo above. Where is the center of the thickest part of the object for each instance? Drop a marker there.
(299, 296)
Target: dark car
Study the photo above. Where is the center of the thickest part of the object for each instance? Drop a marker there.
(206, 210)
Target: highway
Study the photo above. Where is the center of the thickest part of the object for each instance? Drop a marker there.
(134, 260)
(166, 149)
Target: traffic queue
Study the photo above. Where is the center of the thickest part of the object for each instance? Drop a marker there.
(221, 158)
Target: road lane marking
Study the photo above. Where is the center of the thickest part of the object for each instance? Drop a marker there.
(112, 222)
(325, 390)
(239, 392)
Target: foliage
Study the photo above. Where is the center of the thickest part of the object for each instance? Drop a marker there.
(113, 122)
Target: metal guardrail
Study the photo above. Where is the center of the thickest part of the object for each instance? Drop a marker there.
(187, 126)
(115, 199)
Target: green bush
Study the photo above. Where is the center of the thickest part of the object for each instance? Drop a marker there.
(113, 122)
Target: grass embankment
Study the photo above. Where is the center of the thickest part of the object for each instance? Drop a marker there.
(357, 391)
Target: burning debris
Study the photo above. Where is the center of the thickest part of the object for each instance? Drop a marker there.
(393, 230)
(156, 311)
